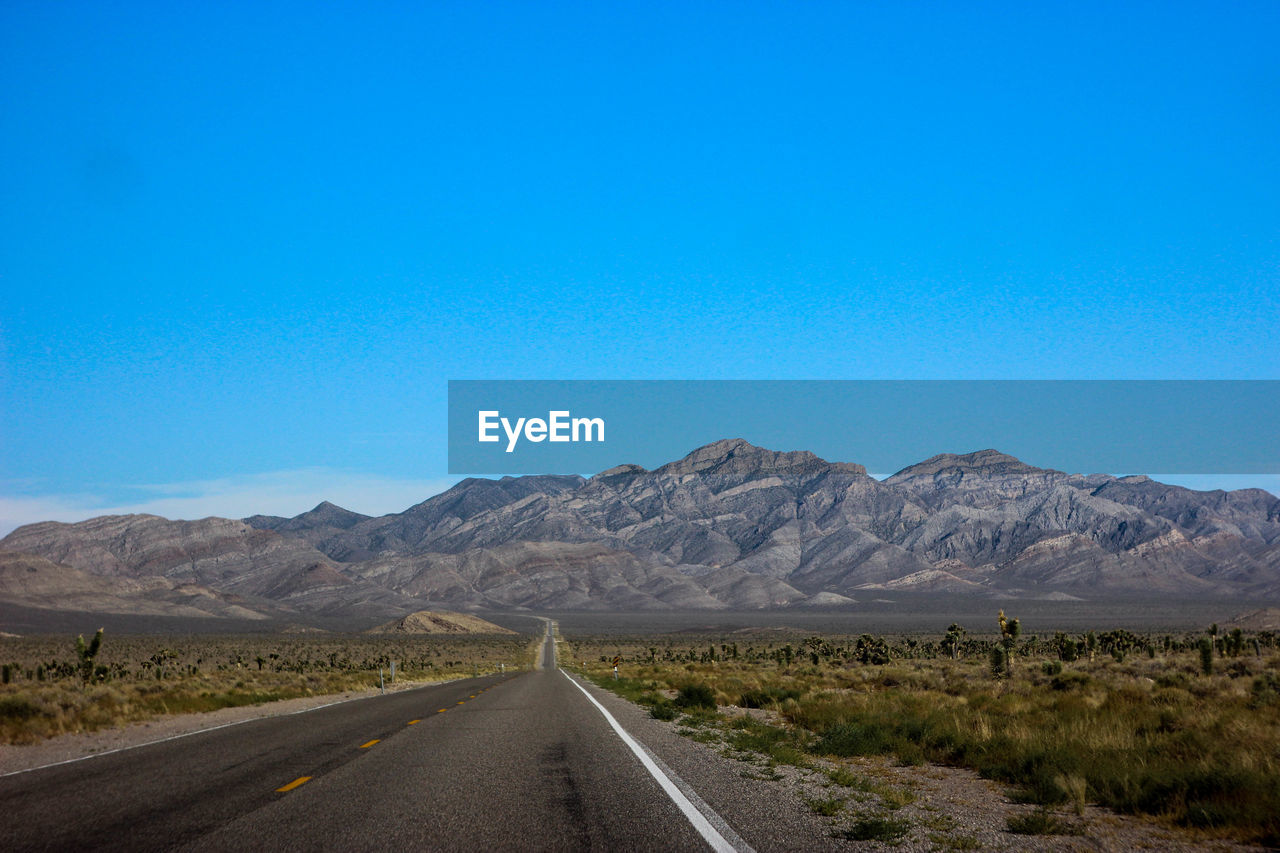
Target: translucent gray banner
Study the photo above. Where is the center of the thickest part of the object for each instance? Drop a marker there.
(1112, 426)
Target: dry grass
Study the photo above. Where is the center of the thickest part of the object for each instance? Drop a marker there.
(1142, 731)
(138, 678)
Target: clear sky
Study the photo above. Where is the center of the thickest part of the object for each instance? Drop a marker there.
(243, 246)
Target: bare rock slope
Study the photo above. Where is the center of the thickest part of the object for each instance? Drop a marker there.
(730, 525)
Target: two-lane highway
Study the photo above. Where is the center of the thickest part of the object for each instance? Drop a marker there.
(523, 761)
(163, 794)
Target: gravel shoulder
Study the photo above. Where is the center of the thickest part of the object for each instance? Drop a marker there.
(923, 808)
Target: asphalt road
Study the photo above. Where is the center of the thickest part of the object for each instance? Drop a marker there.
(522, 761)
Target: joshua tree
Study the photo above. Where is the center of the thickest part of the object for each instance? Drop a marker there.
(1206, 656)
(1215, 642)
(951, 642)
(1235, 642)
(1009, 631)
(872, 650)
(999, 662)
(1067, 648)
(87, 653)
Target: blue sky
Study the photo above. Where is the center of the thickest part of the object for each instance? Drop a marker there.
(244, 246)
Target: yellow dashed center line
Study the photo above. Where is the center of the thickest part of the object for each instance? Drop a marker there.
(414, 722)
(370, 743)
(464, 700)
(301, 780)
(442, 710)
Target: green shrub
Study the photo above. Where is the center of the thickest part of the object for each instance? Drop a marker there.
(875, 828)
(783, 746)
(17, 709)
(1173, 679)
(827, 806)
(895, 798)
(848, 739)
(1069, 680)
(846, 778)
(663, 710)
(1265, 690)
(696, 696)
(767, 697)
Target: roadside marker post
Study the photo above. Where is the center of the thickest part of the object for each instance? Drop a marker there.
(617, 660)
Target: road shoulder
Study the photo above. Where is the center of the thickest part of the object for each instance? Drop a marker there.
(936, 808)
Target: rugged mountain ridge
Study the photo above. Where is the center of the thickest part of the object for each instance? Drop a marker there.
(730, 525)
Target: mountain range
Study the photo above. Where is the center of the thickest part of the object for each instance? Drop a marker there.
(730, 526)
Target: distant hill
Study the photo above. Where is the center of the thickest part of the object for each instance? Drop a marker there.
(1265, 619)
(439, 622)
(731, 525)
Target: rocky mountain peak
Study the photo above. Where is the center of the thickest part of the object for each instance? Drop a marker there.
(713, 454)
(980, 461)
(737, 455)
(619, 472)
(331, 515)
(984, 478)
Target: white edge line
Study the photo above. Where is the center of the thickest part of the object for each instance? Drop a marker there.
(700, 822)
(214, 729)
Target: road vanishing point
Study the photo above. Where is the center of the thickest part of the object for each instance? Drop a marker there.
(537, 760)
